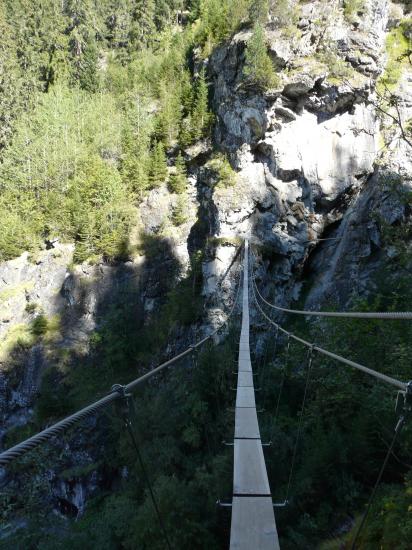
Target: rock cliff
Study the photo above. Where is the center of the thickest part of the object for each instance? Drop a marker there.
(315, 161)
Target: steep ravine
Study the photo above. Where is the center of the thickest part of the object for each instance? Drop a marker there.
(309, 166)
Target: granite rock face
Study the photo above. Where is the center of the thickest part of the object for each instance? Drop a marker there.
(308, 156)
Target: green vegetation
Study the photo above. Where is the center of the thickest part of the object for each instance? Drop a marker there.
(15, 290)
(398, 44)
(95, 99)
(39, 325)
(348, 422)
(158, 167)
(339, 70)
(31, 307)
(259, 10)
(226, 175)
(352, 8)
(179, 214)
(177, 180)
(258, 69)
(17, 337)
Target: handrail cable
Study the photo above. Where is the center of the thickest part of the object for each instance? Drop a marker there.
(397, 315)
(26, 445)
(385, 378)
(406, 388)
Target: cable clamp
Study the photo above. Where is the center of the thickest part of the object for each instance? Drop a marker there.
(122, 405)
(311, 349)
(403, 407)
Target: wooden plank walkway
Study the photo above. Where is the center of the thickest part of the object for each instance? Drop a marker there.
(253, 520)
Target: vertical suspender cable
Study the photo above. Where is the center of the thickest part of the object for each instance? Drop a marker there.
(282, 383)
(302, 411)
(398, 429)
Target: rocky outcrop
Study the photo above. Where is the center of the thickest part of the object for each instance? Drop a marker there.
(308, 155)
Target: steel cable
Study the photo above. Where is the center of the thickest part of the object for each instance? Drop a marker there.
(398, 429)
(339, 358)
(281, 385)
(395, 315)
(29, 444)
(300, 423)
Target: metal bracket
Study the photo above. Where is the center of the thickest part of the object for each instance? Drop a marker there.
(269, 444)
(122, 405)
(403, 407)
(231, 409)
(223, 504)
(280, 504)
(227, 504)
(255, 389)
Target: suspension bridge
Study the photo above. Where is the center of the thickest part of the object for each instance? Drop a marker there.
(253, 524)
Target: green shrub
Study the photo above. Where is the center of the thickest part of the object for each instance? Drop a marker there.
(226, 175)
(397, 46)
(338, 69)
(177, 180)
(31, 307)
(39, 325)
(179, 213)
(258, 69)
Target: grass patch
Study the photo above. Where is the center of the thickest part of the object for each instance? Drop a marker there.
(226, 175)
(15, 290)
(19, 336)
(24, 335)
(396, 46)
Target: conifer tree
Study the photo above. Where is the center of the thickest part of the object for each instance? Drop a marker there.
(158, 168)
(179, 213)
(178, 181)
(258, 68)
(201, 117)
(11, 83)
(168, 119)
(82, 43)
(143, 27)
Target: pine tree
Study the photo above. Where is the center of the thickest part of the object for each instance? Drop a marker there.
(82, 43)
(258, 68)
(11, 83)
(168, 119)
(143, 27)
(158, 168)
(201, 117)
(177, 182)
(179, 213)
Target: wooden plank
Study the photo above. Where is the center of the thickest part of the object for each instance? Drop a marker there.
(246, 423)
(245, 397)
(249, 472)
(244, 378)
(253, 520)
(253, 524)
